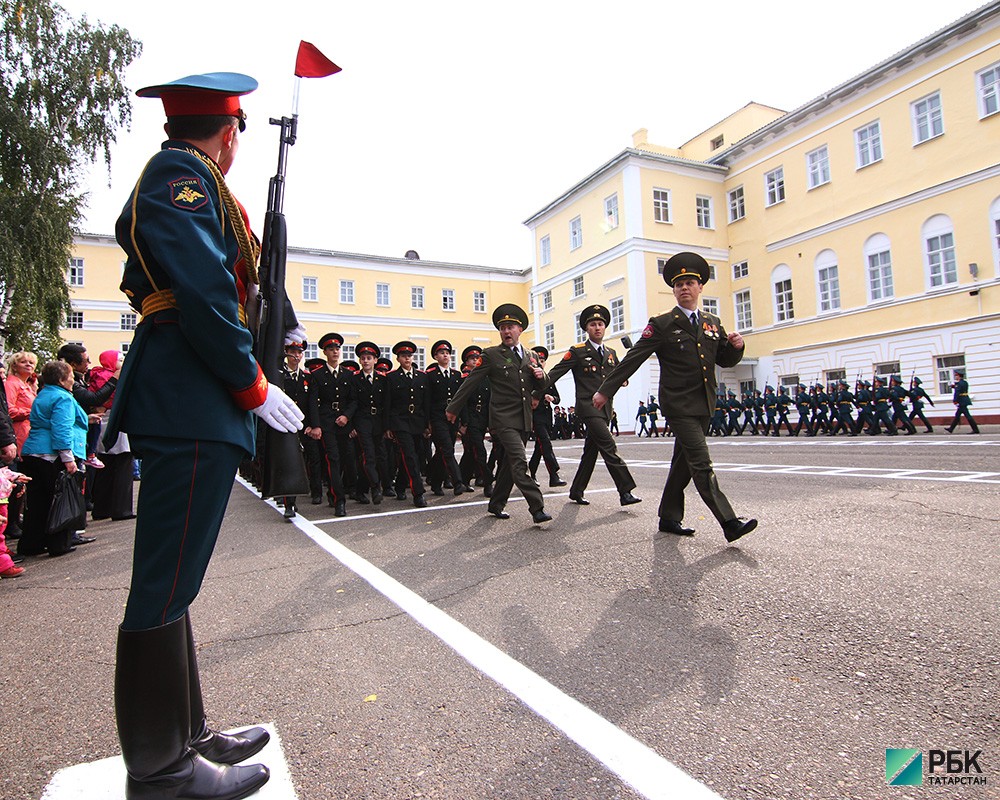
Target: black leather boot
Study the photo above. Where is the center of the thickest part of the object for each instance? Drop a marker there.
(153, 711)
(222, 748)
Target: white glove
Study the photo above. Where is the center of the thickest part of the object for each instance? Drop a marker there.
(279, 411)
(295, 335)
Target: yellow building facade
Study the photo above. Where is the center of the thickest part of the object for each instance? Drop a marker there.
(856, 235)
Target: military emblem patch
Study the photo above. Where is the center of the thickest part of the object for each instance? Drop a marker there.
(647, 332)
(187, 193)
(568, 356)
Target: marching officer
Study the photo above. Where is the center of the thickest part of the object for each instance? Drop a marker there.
(783, 403)
(336, 403)
(370, 419)
(821, 404)
(803, 404)
(733, 408)
(541, 420)
(654, 409)
(962, 401)
(771, 409)
(409, 417)
(591, 361)
(295, 382)
(917, 397)
(898, 397)
(880, 401)
(844, 401)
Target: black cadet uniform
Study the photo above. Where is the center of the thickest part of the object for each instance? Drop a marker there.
(541, 420)
(408, 417)
(333, 395)
(444, 383)
(369, 423)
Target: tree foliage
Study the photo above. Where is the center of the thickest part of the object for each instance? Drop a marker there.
(62, 100)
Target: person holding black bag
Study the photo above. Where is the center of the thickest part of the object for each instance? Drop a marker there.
(56, 444)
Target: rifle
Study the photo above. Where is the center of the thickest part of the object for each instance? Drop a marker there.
(279, 455)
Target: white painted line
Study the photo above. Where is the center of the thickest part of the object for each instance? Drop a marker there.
(105, 779)
(640, 767)
(951, 476)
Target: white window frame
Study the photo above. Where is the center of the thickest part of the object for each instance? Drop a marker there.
(743, 310)
(737, 204)
(878, 268)
(611, 211)
(782, 293)
(578, 287)
(940, 260)
(347, 292)
(661, 206)
(818, 167)
(704, 212)
(995, 233)
(479, 302)
(710, 305)
(741, 269)
(944, 367)
(420, 358)
(310, 289)
(75, 272)
(868, 144)
(383, 295)
(827, 282)
(311, 351)
(550, 336)
(774, 186)
(447, 299)
(988, 90)
(617, 309)
(547, 300)
(545, 251)
(417, 297)
(575, 233)
(74, 320)
(927, 116)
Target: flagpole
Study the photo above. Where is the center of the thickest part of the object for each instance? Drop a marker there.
(295, 96)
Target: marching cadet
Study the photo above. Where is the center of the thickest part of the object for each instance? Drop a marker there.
(962, 401)
(783, 403)
(653, 410)
(803, 403)
(880, 404)
(747, 405)
(514, 373)
(844, 402)
(541, 419)
(383, 366)
(759, 425)
(591, 361)
(733, 408)
(443, 386)
(898, 397)
(917, 397)
(863, 401)
(771, 409)
(295, 382)
(641, 415)
(474, 424)
(718, 426)
(821, 402)
(336, 403)
(369, 421)
(409, 415)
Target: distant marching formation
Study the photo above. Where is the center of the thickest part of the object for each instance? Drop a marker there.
(869, 409)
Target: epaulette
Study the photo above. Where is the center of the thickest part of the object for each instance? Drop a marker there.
(432, 368)
(581, 344)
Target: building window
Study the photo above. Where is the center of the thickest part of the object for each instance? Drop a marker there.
(447, 299)
(382, 294)
(711, 272)
(717, 142)
(834, 375)
(617, 315)
(420, 358)
(581, 334)
(575, 233)
(545, 246)
(416, 297)
(578, 286)
(611, 210)
(879, 260)
(995, 232)
(129, 321)
(347, 292)
(710, 304)
(310, 289)
(74, 319)
(661, 205)
(988, 86)
(311, 351)
(784, 308)
(737, 207)
(774, 184)
(744, 315)
(125, 346)
(946, 365)
(703, 211)
(885, 369)
(827, 281)
(348, 353)
(818, 166)
(547, 300)
(868, 142)
(550, 336)
(939, 249)
(928, 120)
(479, 302)
(74, 274)
(741, 269)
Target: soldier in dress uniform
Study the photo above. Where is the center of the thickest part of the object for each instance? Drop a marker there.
(295, 382)
(771, 409)
(641, 416)
(409, 417)
(474, 422)
(863, 402)
(689, 345)
(351, 366)
(803, 404)
(917, 397)
(718, 424)
(542, 422)
(844, 401)
(898, 396)
(336, 403)
(514, 373)
(591, 361)
(654, 411)
(370, 419)
(746, 403)
(190, 261)
(444, 382)
(821, 404)
(784, 402)
(759, 424)
(962, 401)
(880, 404)
(733, 408)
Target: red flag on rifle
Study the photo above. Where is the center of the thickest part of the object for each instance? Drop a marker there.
(311, 63)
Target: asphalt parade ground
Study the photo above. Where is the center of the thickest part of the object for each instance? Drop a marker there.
(442, 653)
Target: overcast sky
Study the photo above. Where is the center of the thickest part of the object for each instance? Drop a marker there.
(452, 122)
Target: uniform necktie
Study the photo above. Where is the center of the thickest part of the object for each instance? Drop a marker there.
(600, 352)
(694, 319)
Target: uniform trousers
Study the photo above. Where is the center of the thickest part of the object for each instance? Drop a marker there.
(443, 464)
(113, 487)
(185, 489)
(543, 449)
(409, 462)
(961, 411)
(474, 456)
(374, 461)
(331, 463)
(600, 440)
(513, 469)
(691, 461)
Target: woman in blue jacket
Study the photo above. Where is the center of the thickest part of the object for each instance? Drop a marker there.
(56, 442)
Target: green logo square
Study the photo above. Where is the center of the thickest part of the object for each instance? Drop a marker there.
(904, 766)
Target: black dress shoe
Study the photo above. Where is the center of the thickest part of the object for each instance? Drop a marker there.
(420, 501)
(673, 526)
(437, 491)
(461, 488)
(340, 510)
(357, 497)
(401, 495)
(735, 528)
(317, 499)
(555, 480)
(61, 552)
(488, 490)
(629, 499)
(331, 501)
(578, 499)
(289, 511)
(540, 516)
(77, 539)
(499, 513)
(377, 497)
